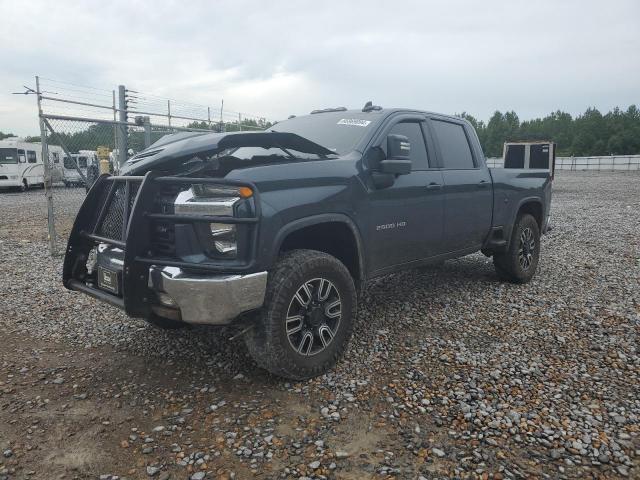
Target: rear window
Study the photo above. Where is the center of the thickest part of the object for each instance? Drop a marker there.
(31, 156)
(454, 146)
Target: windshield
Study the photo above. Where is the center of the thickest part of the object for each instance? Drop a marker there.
(250, 153)
(8, 155)
(340, 132)
(71, 164)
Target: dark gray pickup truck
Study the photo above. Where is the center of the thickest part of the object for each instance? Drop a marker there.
(276, 232)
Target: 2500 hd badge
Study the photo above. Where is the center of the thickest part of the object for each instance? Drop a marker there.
(389, 226)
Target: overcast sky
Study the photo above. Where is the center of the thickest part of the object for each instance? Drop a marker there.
(279, 58)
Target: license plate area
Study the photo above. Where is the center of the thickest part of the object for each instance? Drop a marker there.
(109, 280)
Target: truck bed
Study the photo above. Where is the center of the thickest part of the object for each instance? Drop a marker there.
(514, 186)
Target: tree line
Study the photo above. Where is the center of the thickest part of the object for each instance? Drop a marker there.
(235, 126)
(590, 134)
(6, 135)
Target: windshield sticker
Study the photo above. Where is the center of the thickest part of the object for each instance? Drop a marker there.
(355, 122)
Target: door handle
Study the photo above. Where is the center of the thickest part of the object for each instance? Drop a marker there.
(434, 186)
(483, 183)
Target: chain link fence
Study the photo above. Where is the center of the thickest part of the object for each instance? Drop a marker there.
(80, 126)
(73, 167)
(608, 163)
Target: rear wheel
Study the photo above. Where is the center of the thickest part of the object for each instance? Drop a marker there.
(519, 263)
(24, 186)
(307, 320)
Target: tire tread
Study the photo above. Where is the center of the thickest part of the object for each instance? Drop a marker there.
(506, 264)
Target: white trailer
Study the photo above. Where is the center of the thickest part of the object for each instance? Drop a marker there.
(78, 161)
(56, 154)
(20, 164)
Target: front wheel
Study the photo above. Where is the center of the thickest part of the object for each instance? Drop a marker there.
(519, 263)
(307, 320)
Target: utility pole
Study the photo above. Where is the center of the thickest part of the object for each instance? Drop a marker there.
(221, 120)
(122, 126)
(47, 175)
(146, 121)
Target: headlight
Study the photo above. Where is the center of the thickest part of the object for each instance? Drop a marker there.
(222, 229)
(211, 190)
(214, 200)
(224, 235)
(227, 248)
(209, 199)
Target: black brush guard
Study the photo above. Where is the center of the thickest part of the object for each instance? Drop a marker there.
(140, 193)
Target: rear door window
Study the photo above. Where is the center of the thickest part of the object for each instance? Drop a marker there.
(454, 145)
(418, 154)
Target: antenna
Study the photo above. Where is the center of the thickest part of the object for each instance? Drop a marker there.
(369, 107)
(28, 91)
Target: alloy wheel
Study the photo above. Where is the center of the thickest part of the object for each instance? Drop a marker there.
(313, 316)
(526, 248)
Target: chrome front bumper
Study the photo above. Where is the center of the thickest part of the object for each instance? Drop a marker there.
(208, 299)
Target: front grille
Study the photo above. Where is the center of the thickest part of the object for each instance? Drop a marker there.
(113, 224)
(163, 241)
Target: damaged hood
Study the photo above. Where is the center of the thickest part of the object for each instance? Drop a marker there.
(184, 144)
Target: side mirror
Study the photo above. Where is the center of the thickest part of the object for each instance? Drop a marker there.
(397, 161)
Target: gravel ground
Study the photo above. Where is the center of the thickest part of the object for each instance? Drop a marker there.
(450, 373)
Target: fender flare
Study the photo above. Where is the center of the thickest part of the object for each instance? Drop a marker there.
(304, 222)
(537, 200)
(514, 217)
